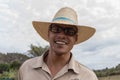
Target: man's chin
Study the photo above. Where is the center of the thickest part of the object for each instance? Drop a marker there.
(60, 52)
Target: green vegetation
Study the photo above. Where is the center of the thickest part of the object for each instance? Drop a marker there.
(108, 72)
(9, 65)
(37, 50)
(11, 74)
(9, 70)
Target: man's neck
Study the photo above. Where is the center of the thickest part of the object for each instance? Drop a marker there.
(56, 62)
(55, 59)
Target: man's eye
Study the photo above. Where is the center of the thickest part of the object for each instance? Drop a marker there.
(54, 29)
(71, 32)
(59, 29)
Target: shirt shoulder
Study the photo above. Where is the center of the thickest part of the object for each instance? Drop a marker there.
(85, 71)
(30, 63)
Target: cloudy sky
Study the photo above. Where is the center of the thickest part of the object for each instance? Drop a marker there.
(101, 51)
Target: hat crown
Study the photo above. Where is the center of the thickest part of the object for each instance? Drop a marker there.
(66, 15)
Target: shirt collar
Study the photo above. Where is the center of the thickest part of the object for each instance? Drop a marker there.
(40, 60)
(72, 65)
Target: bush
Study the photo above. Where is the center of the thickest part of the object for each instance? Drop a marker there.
(7, 79)
(9, 70)
(4, 67)
(7, 66)
(15, 65)
(10, 74)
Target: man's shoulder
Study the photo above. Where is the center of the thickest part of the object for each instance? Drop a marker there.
(85, 70)
(83, 67)
(30, 62)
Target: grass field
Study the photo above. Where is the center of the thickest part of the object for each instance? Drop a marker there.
(115, 77)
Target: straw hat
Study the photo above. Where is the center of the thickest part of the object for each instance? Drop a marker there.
(66, 16)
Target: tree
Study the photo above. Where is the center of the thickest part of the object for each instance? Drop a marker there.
(37, 50)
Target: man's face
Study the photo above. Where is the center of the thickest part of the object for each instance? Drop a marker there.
(62, 38)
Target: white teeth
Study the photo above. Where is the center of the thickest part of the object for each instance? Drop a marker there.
(60, 42)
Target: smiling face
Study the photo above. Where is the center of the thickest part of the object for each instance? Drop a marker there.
(61, 39)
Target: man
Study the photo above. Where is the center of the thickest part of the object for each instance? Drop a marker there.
(58, 62)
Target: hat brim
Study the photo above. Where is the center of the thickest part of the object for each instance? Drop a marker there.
(84, 32)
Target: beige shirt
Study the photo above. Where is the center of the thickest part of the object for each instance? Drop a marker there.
(36, 69)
